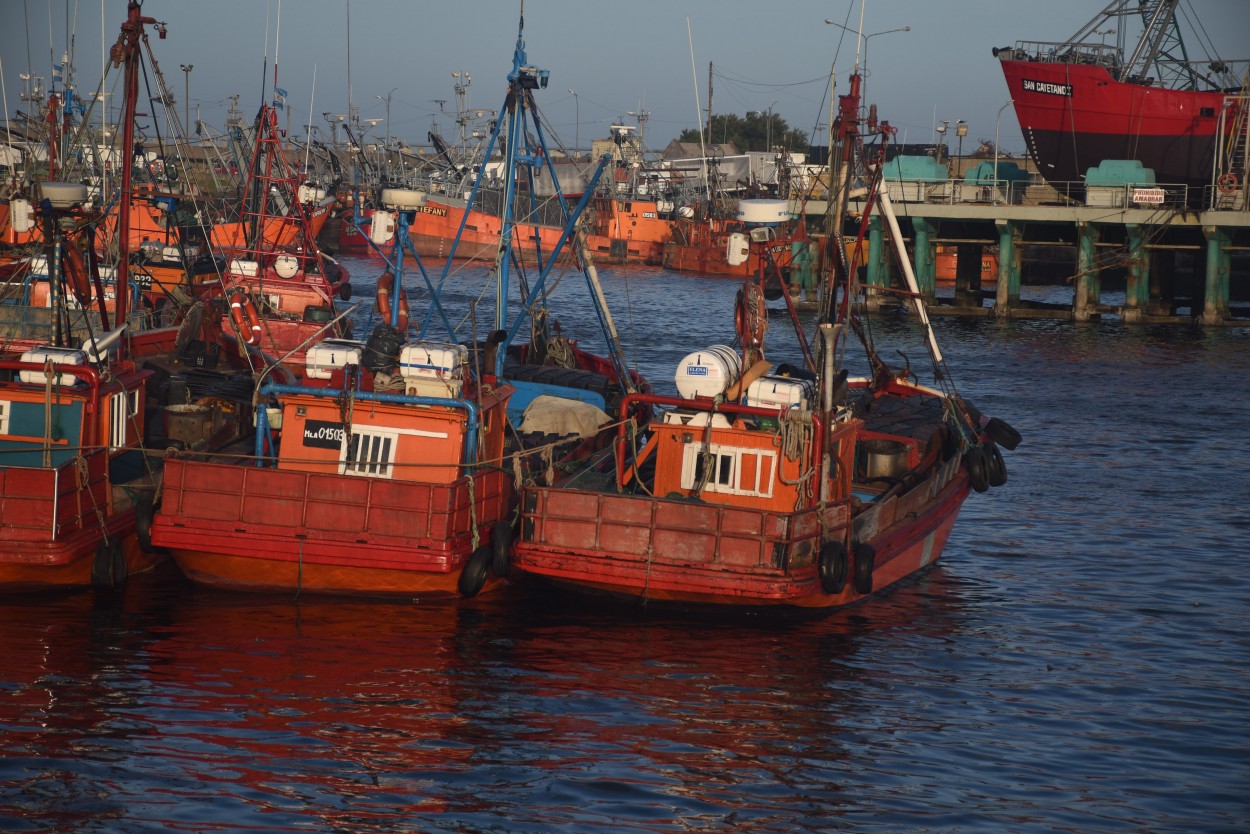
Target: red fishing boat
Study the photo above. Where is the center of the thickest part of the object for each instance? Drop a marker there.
(76, 484)
(385, 471)
(803, 488)
(1081, 101)
(279, 287)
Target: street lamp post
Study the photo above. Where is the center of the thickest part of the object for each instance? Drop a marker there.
(577, 121)
(961, 130)
(864, 40)
(996, 122)
(768, 131)
(940, 130)
(186, 95)
(387, 99)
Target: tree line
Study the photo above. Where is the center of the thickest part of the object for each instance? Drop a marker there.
(753, 132)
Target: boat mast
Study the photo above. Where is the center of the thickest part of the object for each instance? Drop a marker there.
(126, 51)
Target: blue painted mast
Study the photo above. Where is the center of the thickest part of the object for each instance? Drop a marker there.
(519, 116)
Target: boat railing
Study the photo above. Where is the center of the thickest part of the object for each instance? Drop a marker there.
(1107, 55)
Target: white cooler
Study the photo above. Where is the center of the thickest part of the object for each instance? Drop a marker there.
(433, 369)
(323, 357)
(780, 392)
(59, 356)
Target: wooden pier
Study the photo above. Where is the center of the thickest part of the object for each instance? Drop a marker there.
(1176, 265)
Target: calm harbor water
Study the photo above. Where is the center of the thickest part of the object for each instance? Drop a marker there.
(1077, 661)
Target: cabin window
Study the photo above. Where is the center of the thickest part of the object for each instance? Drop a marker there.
(370, 451)
(735, 471)
(117, 420)
(5, 408)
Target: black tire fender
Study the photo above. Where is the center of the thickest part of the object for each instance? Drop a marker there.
(108, 570)
(995, 466)
(1001, 432)
(974, 462)
(144, 513)
(865, 564)
(832, 567)
(501, 549)
(473, 575)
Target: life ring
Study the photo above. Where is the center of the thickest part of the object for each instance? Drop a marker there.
(865, 564)
(1001, 432)
(1227, 183)
(246, 319)
(995, 466)
(473, 576)
(831, 566)
(750, 325)
(501, 550)
(74, 268)
(108, 570)
(386, 283)
(974, 462)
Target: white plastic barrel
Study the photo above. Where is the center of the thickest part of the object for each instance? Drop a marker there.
(286, 266)
(708, 372)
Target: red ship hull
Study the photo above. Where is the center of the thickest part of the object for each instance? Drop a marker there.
(1074, 116)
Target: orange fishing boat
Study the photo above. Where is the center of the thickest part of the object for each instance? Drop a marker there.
(947, 266)
(78, 377)
(803, 489)
(278, 286)
(388, 470)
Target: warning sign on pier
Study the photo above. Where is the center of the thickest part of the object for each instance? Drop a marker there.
(1149, 196)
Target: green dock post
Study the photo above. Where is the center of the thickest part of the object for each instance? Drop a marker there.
(802, 276)
(1007, 291)
(923, 262)
(1088, 288)
(1137, 282)
(1219, 265)
(877, 275)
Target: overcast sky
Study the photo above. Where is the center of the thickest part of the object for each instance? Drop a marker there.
(617, 55)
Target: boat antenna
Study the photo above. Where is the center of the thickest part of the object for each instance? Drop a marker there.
(697, 117)
(8, 132)
(277, 39)
(312, 99)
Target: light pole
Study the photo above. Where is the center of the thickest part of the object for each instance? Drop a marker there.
(864, 39)
(996, 121)
(768, 130)
(940, 130)
(577, 117)
(387, 99)
(961, 130)
(186, 94)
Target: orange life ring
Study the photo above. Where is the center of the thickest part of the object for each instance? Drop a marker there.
(1227, 183)
(246, 319)
(75, 271)
(386, 282)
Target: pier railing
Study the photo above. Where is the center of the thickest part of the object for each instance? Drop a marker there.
(1224, 197)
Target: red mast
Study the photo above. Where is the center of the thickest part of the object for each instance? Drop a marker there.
(126, 51)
